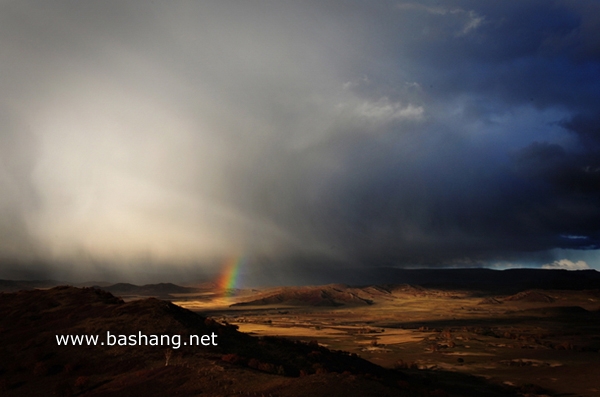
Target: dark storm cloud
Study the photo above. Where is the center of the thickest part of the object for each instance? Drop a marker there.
(568, 174)
(443, 191)
(404, 133)
(586, 127)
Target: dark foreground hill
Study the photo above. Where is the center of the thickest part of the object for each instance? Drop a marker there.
(33, 364)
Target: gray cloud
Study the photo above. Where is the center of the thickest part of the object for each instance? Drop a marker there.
(170, 136)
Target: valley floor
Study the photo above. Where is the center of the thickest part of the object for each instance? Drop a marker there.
(538, 340)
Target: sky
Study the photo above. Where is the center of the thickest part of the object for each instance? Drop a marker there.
(146, 140)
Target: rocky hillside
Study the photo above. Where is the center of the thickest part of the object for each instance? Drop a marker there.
(33, 364)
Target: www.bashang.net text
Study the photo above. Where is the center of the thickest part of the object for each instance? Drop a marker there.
(139, 339)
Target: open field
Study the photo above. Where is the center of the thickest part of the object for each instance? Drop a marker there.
(32, 363)
(542, 339)
(381, 339)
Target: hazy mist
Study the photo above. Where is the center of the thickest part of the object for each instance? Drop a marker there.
(148, 141)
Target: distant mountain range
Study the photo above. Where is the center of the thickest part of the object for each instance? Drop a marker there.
(500, 281)
(496, 281)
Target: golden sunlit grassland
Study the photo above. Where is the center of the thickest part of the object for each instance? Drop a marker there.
(534, 339)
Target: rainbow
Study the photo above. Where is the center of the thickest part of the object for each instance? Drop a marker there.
(230, 277)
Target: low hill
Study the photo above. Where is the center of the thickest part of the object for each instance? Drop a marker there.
(326, 295)
(339, 295)
(161, 289)
(530, 296)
